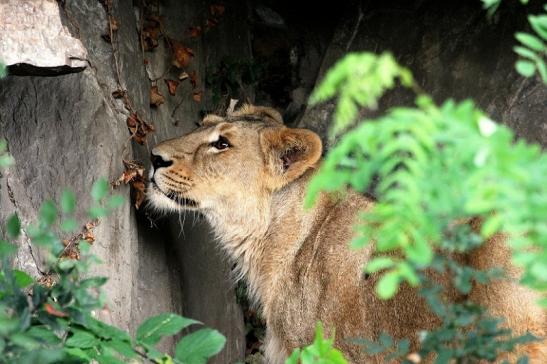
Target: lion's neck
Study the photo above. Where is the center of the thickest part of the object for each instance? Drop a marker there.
(264, 238)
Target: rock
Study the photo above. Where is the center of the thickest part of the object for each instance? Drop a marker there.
(68, 130)
(34, 40)
(453, 51)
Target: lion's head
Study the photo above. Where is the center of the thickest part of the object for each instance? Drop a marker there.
(231, 165)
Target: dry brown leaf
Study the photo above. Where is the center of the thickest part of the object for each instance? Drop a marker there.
(216, 9)
(139, 187)
(194, 32)
(46, 281)
(197, 95)
(134, 176)
(118, 94)
(138, 128)
(156, 98)
(172, 86)
(182, 55)
(194, 79)
(211, 23)
(53, 311)
(150, 36)
(114, 24)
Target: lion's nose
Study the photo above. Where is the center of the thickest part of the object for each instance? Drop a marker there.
(158, 161)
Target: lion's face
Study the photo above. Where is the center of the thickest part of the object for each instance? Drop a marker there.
(230, 163)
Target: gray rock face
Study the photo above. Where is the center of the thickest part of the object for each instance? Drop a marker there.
(68, 130)
(31, 33)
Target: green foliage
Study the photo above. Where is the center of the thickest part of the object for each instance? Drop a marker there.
(437, 165)
(6, 160)
(52, 322)
(3, 70)
(433, 169)
(199, 346)
(365, 77)
(321, 351)
(492, 5)
(532, 50)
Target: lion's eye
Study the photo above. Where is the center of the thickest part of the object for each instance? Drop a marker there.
(221, 143)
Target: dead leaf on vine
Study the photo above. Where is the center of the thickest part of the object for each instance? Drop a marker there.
(134, 176)
(182, 55)
(172, 86)
(118, 94)
(139, 188)
(194, 79)
(216, 9)
(211, 23)
(53, 311)
(114, 24)
(197, 95)
(150, 36)
(194, 32)
(46, 281)
(156, 98)
(133, 170)
(138, 128)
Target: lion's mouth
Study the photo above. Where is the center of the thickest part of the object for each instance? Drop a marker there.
(175, 197)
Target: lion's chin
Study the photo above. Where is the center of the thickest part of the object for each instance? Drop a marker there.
(161, 201)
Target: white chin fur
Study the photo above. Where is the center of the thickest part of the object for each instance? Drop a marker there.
(162, 203)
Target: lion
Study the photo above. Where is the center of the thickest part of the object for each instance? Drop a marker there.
(247, 174)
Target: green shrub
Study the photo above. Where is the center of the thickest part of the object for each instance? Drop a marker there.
(434, 165)
(52, 321)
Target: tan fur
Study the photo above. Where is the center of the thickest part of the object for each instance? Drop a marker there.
(297, 262)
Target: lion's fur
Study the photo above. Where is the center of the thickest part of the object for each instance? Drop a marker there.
(297, 262)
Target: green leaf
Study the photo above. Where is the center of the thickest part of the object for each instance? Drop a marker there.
(13, 226)
(25, 341)
(48, 213)
(69, 225)
(97, 212)
(99, 189)
(115, 201)
(77, 353)
(82, 339)
(293, 359)
(539, 24)
(491, 226)
(3, 70)
(542, 70)
(199, 346)
(526, 53)
(22, 279)
(44, 334)
(525, 68)
(379, 263)
(151, 330)
(6, 249)
(122, 347)
(68, 202)
(531, 41)
(42, 356)
(388, 285)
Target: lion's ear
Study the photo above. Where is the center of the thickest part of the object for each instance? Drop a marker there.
(289, 153)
